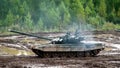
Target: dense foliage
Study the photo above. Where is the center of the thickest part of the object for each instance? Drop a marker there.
(58, 15)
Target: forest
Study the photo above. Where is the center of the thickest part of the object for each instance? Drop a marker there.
(59, 15)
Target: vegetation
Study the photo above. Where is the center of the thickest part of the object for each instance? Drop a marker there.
(59, 15)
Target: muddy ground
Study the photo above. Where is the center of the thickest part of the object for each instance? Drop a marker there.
(15, 53)
(82, 62)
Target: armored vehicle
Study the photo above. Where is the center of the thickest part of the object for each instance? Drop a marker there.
(69, 45)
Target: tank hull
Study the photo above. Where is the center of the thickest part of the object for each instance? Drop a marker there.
(67, 50)
(50, 54)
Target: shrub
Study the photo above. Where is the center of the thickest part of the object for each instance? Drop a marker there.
(108, 26)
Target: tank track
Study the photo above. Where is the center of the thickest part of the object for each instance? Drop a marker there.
(70, 54)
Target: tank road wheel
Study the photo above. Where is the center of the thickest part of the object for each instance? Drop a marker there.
(87, 54)
(63, 54)
(47, 55)
(91, 54)
(95, 52)
(73, 55)
(79, 54)
(59, 54)
(51, 55)
(98, 51)
(56, 55)
(69, 55)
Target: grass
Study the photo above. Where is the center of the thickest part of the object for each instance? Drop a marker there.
(12, 51)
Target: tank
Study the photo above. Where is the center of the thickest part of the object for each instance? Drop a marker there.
(69, 45)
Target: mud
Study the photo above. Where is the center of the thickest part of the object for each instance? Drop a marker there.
(15, 53)
(81, 62)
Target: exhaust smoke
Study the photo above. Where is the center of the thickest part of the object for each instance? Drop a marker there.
(84, 29)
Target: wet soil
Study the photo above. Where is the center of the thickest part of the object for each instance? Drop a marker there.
(81, 62)
(15, 53)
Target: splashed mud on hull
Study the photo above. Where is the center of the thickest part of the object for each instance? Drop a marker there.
(50, 54)
(66, 51)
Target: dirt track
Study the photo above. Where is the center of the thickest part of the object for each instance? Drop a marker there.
(82, 62)
(109, 58)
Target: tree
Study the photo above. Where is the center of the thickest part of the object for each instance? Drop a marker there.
(10, 19)
(87, 11)
(57, 14)
(95, 22)
(28, 22)
(64, 16)
(77, 11)
(118, 13)
(39, 26)
(102, 8)
(111, 15)
(4, 8)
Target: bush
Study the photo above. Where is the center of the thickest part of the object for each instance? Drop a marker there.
(108, 26)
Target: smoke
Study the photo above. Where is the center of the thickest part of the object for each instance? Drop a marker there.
(84, 28)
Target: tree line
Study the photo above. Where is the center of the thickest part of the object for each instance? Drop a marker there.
(59, 15)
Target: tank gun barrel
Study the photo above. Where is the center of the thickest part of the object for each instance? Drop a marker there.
(22, 33)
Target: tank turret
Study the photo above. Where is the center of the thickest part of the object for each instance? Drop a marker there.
(68, 38)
